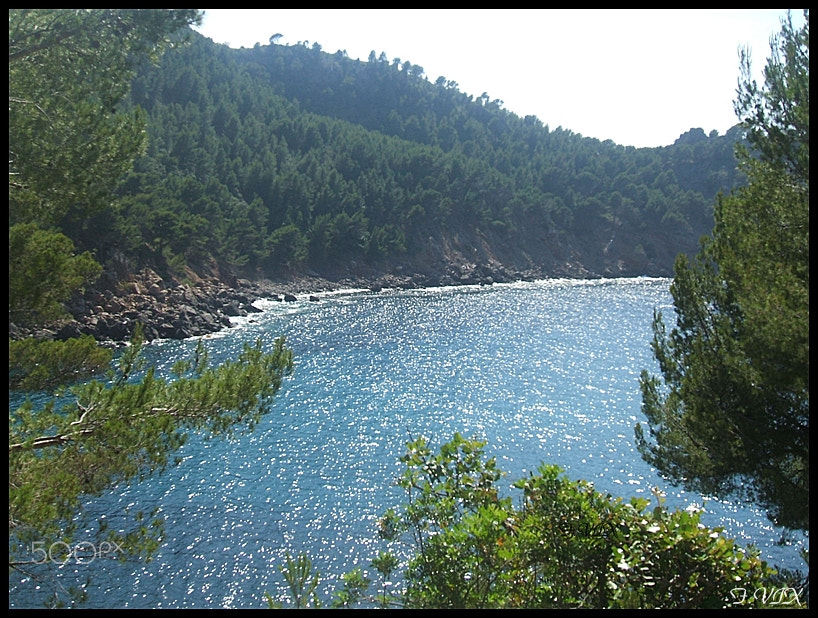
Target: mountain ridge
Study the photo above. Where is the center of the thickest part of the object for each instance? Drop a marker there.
(283, 167)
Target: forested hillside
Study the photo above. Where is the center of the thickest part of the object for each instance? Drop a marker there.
(281, 160)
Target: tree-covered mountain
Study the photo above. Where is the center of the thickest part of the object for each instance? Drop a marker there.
(278, 160)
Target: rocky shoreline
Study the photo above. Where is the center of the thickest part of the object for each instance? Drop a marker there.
(203, 301)
(204, 305)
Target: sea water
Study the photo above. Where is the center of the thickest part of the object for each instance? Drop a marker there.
(544, 372)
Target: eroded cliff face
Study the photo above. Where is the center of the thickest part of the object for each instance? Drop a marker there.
(203, 300)
(473, 257)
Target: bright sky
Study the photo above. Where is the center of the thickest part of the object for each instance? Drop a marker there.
(640, 77)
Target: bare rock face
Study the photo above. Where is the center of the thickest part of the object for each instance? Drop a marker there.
(205, 303)
(164, 310)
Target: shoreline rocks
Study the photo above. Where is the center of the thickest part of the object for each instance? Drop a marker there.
(201, 306)
(176, 312)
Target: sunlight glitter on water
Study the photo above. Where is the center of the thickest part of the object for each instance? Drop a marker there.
(545, 372)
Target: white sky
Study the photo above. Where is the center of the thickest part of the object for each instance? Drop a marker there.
(640, 77)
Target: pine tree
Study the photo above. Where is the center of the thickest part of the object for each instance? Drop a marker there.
(72, 438)
(730, 415)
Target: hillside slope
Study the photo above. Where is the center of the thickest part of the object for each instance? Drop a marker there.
(285, 164)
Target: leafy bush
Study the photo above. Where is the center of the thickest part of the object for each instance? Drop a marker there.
(565, 546)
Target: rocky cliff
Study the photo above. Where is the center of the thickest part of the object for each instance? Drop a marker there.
(204, 302)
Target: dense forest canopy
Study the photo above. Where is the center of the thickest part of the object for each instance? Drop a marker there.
(282, 160)
(730, 414)
(278, 159)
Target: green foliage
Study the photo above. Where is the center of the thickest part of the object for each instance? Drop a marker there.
(730, 415)
(777, 114)
(65, 450)
(287, 246)
(43, 273)
(289, 170)
(385, 564)
(70, 141)
(353, 591)
(45, 365)
(69, 69)
(565, 546)
(302, 582)
(265, 162)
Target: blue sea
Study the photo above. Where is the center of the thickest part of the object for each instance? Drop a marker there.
(544, 372)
